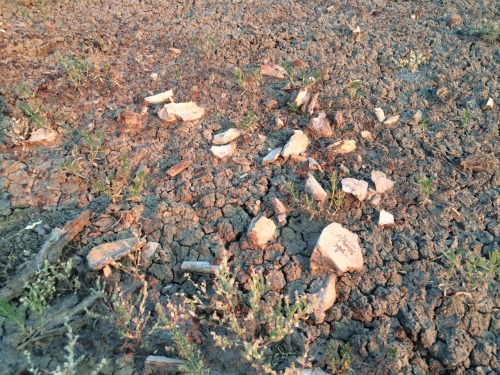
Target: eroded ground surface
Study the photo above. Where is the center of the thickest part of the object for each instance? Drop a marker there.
(409, 311)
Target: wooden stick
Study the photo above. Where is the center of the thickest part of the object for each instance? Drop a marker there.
(199, 267)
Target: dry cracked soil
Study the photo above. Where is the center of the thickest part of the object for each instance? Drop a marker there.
(427, 300)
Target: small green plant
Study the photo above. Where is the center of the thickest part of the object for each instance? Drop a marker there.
(392, 354)
(74, 166)
(114, 182)
(137, 185)
(178, 74)
(248, 122)
(23, 91)
(338, 358)
(11, 314)
(488, 31)
(453, 261)
(479, 270)
(205, 47)
(412, 62)
(351, 90)
(466, 117)
(423, 122)
(248, 80)
(32, 109)
(336, 196)
(93, 143)
(426, 186)
(294, 107)
(78, 71)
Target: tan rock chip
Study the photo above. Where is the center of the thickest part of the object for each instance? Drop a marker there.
(103, 254)
(314, 189)
(358, 188)
(320, 126)
(223, 151)
(159, 98)
(261, 231)
(185, 111)
(226, 137)
(298, 143)
(43, 136)
(342, 147)
(178, 168)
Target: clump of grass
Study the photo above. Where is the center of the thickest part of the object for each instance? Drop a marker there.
(426, 186)
(248, 122)
(351, 90)
(77, 70)
(32, 109)
(488, 31)
(76, 165)
(92, 143)
(423, 122)
(412, 62)
(248, 80)
(466, 117)
(137, 185)
(206, 46)
(338, 358)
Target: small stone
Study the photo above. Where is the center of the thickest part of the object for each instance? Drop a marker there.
(379, 113)
(279, 123)
(242, 161)
(177, 51)
(454, 20)
(272, 156)
(314, 189)
(489, 104)
(149, 250)
(314, 165)
(223, 151)
(337, 251)
(298, 143)
(159, 98)
(365, 134)
(261, 231)
(375, 200)
(106, 272)
(43, 136)
(357, 33)
(382, 183)
(358, 188)
(185, 111)
(102, 255)
(279, 209)
(417, 116)
(339, 118)
(226, 137)
(271, 104)
(313, 104)
(392, 120)
(131, 121)
(162, 365)
(325, 299)
(320, 126)
(178, 168)
(342, 147)
(271, 71)
(385, 218)
(298, 158)
(154, 76)
(302, 96)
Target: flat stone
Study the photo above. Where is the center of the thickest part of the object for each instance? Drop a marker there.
(242, 161)
(382, 183)
(298, 143)
(392, 120)
(379, 113)
(358, 188)
(417, 116)
(184, 111)
(104, 254)
(337, 251)
(271, 71)
(149, 250)
(314, 165)
(320, 126)
(131, 121)
(375, 200)
(342, 147)
(178, 168)
(159, 98)
(338, 118)
(280, 209)
(272, 156)
(314, 189)
(223, 151)
(226, 137)
(43, 136)
(261, 231)
(489, 104)
(365, 134)
(302, 96)
(385, 218)
(325, 298)
(163, 365)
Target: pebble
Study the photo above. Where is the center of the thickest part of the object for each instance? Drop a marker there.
(325, 298)
(379, 113)
(272, 156)
(392, 120)
(178, 168)
(159, 98)
(261, 231)
(358, 188)
(223, 151)
(226, 137)
(185, 111)
(298, 143)
(43, 136)
(314, 189)
(382, 183)
(337, 251)
(385, 218)
(489, 104)
(320, 126)
(104, 254)
(343, 147)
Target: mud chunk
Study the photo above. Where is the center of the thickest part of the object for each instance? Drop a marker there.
(272, 156)
(43, 136)
(178, 168)
(375, 200)
(302, 96)
(342, 147)
(226, 137)
(356, 187)
(276, 280)
(320, 126)
(103, 254)
(365, 134)
(454, 20)
(223, 151)
(159, 98)
(272, 71)
(382, 183)
(314, 165)
(149, 250)
(489, 104)
(325, 299)
(338, 118)
(298, 143)
(132, 121)
(379, 113)
(279, 209)
(261, 231)
(337, 251)
(184, 111)
(391, 120)
(314, 189)
(385, 218)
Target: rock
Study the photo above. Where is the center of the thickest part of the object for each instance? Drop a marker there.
(356, 33)
(320, 126)
(302, 96)
(154, 76)
(325, 299)
(454, 20)
(223, 151)
(298, 158)
(261, 231)
(358, 188)
(417, 116)
(391, 120)
(385, 218)
(489, 104)
(279, 209)
(365, 134)
(375, 200)
(379, 112)
(185, 111)
(337, 251)
(271, 71)
(313, 104)
(102, 255)
(314, 165)
(279, 123)
(305, 371)
(43, 136)
(298, 143)
(132, 121)
(314, 189)
(199, 267)
(159, 98)
(339, 118)
(178, 168)
(272, 156)
(106, 272)
(177, 51)
(162, 365)
(382, 183)
(342, 147)
(149, 250)
(242, 161)
(271, 104)
(226, 137)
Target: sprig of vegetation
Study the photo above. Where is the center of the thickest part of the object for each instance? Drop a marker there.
(426, 186)
(206, 46)
(466, 117)
(338, 358)
(32, 110)
(11, 314)
(93, 143)
(351, 90)
(412, 62)
(248, 122)
(488, 31)
(77, 70)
